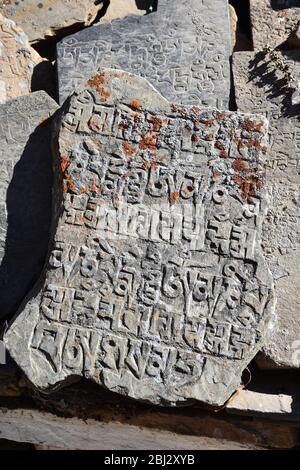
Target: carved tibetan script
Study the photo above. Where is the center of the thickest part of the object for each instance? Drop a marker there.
(183, 49)
(155, 285)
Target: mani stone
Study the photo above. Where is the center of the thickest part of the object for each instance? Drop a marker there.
(261, 87)
(183, 49)
(273, 21)
(19, 63)
(41, 19)
(155, 286)
(25, 195)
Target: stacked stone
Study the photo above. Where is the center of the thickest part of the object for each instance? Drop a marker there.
(268, 81)
(157, 283)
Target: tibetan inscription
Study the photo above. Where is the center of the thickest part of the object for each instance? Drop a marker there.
(261, 87)
(25, 195)
(183, 49)
(155, 286)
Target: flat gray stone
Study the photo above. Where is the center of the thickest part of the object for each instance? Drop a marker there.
(41, 19)
(155, 286)
(261, 87)
(25, 195)
(273, 21)
(183, 49)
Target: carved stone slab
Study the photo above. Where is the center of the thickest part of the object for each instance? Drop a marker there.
(155, 286)
(273, 21)
(19, 63)
(183, 49)
(43, 18)
(25, 195)
(260, 87)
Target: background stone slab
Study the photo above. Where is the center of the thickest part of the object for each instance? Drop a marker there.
(173, 308)
(273, 21)
(183, 49)
(121, 8)
(43, 18)
(25, 195)
(261, 87)
(21, 68)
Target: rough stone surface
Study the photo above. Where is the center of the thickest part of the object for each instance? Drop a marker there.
(155, 286)
(183, 50)
(273, 21)
(261, 403)
(43, 18)
(121, 8)
(261, 87)
(25, 194)
(21, 68)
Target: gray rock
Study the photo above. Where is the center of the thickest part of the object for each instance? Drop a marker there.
(183, 49)
(273, 21)
(155, 286)
(25, 195)
(41, 19)
(21, 68)
(261, 87)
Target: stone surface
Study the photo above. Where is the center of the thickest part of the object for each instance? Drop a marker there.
(38, 427)
(44, 18)
(261, 403)
(21, 68)
(155, 286)
(183, 50)
(273, 21)
(121, 8)
(261, 87)
(25, 194)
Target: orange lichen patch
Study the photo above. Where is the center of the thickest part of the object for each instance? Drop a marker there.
(239, 165)
(68, 184)
(136, 117)
(135, 104)
(195, 138)
(252, 143)
(246, 178)
(216, 174)
(148, 165)
(220, 116)
(128, 149)
(64, 163)
(248, 185)
(209, 136)
(148, 142)
(95, 188)
(174, 197)
(195, 109)
(221, 148)
(97, 82)
(157, 122)
(209, 122)
(250, 126)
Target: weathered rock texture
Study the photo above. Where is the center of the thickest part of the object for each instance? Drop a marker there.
(183, 49)
(155, 286)
(43, 18)
(121, 8)
(25, 195)
(273, 21)
(21, 67)
(261, 87)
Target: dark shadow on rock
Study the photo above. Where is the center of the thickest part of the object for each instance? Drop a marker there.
(149, 5)
(28, 206)
(43, 78)
(284, 4)
(263, 73)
